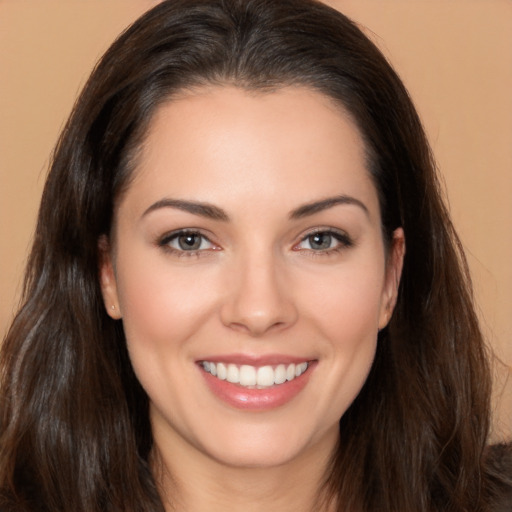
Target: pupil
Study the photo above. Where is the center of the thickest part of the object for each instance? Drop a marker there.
(320, 241)
(188, 242)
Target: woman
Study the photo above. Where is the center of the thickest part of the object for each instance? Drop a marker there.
(244, 290)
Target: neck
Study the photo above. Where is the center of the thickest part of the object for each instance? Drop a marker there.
(202, 483)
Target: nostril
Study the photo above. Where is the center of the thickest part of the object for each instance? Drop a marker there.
(259, 324)
(256, 300)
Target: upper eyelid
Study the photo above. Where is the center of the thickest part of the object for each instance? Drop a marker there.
(166, 243)
(183, 231)
(336, 232)
(324, 229)
(339, 234)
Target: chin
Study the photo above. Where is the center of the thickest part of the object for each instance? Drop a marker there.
(267, 446)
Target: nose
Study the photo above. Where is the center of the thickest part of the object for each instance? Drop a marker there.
(258, 297)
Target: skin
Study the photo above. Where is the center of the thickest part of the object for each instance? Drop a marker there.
(258, 285)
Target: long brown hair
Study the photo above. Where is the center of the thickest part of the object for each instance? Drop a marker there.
(74, 428)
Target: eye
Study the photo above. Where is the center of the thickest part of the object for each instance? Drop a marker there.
(186, 241)
(324, 241)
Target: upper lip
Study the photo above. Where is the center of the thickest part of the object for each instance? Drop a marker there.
(256, 360)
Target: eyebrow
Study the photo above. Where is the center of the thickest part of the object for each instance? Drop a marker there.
(195, 207)
(213, 212)
(324, 204)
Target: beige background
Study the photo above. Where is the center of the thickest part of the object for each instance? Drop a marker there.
(455, 57)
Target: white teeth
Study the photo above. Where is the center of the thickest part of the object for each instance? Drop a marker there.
(300, 369)
(233, 374)
(280, 374)
(252, 376)
(247, 375)
(222, 371)
(265, 376)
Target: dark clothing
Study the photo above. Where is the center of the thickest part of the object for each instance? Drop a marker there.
(499, 472)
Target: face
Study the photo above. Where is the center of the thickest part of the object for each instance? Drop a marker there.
(248, 267)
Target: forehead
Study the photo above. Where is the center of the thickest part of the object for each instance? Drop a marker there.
(211, 143)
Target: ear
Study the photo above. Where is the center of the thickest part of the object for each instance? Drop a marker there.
(108, 279)
(394, 264)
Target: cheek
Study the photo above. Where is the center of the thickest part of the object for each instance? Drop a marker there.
(345, 310)
(346, 303)
(163, 309)
(160, 304)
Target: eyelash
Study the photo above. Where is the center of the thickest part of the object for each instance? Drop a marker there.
(168, 238)
(343, 239)
(343, 242)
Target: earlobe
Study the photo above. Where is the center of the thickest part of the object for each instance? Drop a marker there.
(108, 279)
(393, 274)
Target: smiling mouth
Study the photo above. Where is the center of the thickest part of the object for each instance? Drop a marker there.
(255, 377)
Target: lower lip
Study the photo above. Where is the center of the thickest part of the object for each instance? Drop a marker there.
(257, 399)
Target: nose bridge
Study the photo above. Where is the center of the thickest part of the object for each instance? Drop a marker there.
(257, 300)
